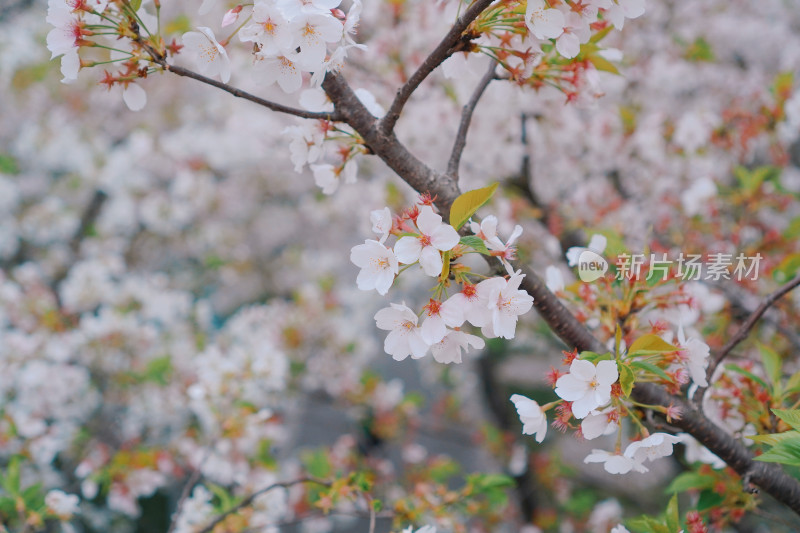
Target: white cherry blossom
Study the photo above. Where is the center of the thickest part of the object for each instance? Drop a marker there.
(381, 220)
(293, 8)
(282, 68)
(311, 32)
(378, 266)
(437, 317)
(404, 336)
(695, 356)
(435, 237)
(209, 56)
(453, 345)
(507, 302)
(269, 28)
(542, 21)
(587, 386)
(534, 420)
(654, 447)
(597, 244)
(615, 463)
(599, 423)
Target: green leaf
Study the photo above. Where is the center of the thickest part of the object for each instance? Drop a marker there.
(377, 505)
(772, 363)
(594, 357)
(792, 384)
(12, 477)
(317, 464)
(476, 243)
(690, 481)
(653, 369)
(136, 4)
(699, 50)
(226, 500)
(709, 499)
(773, 439)
(787, 268)
(651, 343)
(8, 164)
(626, 378)
(746, 373)
(790, 416)
(646, 524)
(601, 63)
(673, 518)
(468, 203)
(786, 452)
(599, 36)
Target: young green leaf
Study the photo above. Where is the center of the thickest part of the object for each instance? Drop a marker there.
(468, 203)
(772, 363)
(790, 416)
(651, 343)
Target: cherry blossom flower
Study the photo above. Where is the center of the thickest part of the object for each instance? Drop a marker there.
(312, 31)
(654, 447)
(450, 348)
(134, 97)
(597, 244)
(283, 68)
(615, 463)
(437, 317)
(599, 423)
(293, 8)
(619, 528)
(404, 336)
(507, 301)
(473, 304)
(543, 22)
(622, 9)
(369, 101)
(576, 32)
(435, 237)
(378, 266)
(534, 420)
(210, 56)
(695, 353)
(381, 222)
(62, 504)
(587, 386)
(487, 230)
(327, 177)
(269, 29)
(553, 279)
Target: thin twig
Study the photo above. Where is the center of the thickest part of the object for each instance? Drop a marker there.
(466, 118)
(161, 60)
(332, 116)
(187, 489)
(447, 47)
(750, 323)
(250, 499)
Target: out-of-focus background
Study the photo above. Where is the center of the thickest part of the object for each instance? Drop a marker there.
(177, 304)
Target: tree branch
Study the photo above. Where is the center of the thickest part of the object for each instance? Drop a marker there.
(250, 499)
(445, 49)
(770, 477)
(466, 117)
(748, 325)
(333, 116)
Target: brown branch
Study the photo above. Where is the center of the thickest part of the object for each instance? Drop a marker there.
(250, 499)
(744, 331)
(332, 116)
(466, 118)
(770, 477)
(445, 49)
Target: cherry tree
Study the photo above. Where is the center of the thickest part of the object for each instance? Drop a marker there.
(182, 269)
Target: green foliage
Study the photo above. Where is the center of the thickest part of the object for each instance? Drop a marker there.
(785, 446)
(8, 164)
(468, 203)
(626, 378)
(317, 463)
(476, 243)
(650, 344)
(690, 481)
(699, 50)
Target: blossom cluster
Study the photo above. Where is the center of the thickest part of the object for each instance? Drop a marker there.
(493, 304)
(289, 37)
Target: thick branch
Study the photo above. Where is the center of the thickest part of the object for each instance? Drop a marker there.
(466, 118)
(280, 108)
(250, 499)
(444, 50)
(564, 324)
(421, 177)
